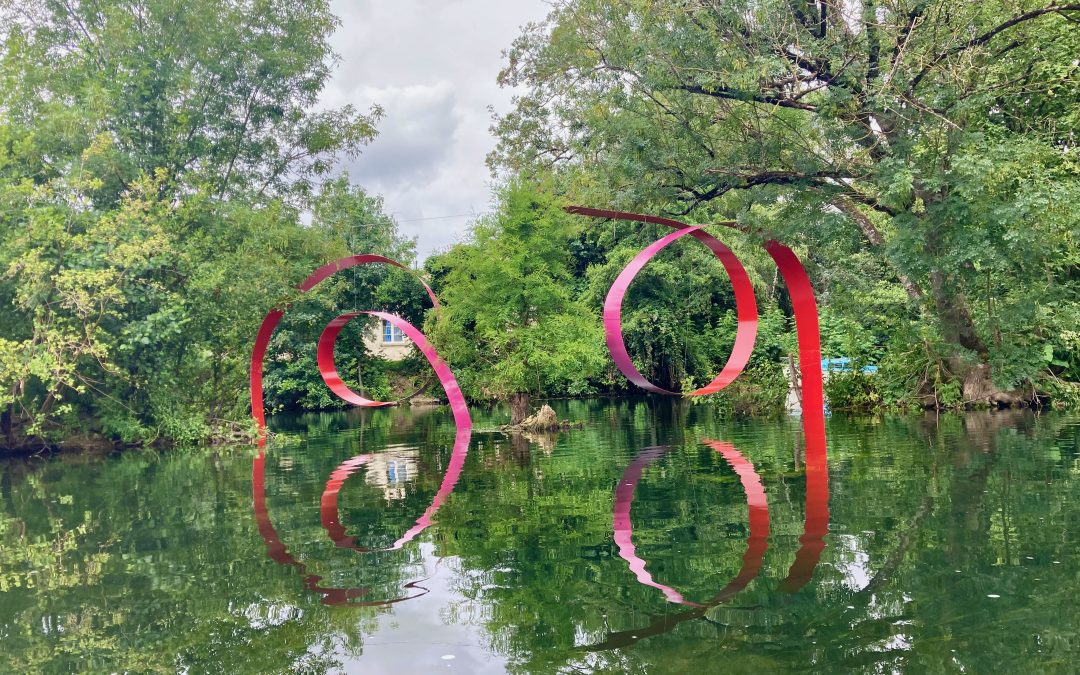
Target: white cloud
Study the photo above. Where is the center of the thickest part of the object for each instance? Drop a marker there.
(413, 141)
(432, 65)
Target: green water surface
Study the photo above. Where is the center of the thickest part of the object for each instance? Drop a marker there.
(951, 548)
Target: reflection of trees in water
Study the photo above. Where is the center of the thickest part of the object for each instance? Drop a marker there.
(154, 565)
(893, 481)
(128, 549)
(279, 553)
(388, 470)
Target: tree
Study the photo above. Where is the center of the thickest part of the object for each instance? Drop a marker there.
(155, 161)
(217, 97)
(944, 133)
(510, 324)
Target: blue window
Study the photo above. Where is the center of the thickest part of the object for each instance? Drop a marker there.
(391, 333)
(397, 472)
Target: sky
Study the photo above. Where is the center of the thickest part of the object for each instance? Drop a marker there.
(432, 66)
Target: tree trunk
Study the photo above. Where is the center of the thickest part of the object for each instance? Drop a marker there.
(877, 240)
(957, 326)
(519, 408)
(958, 329)
(6, 427)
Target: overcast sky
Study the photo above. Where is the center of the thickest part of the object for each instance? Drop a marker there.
(431, 64)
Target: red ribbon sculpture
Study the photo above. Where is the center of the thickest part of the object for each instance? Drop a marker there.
(328, 511)
(326, 352)
(816, 525)
(813, 402)
(745, 305)
(802, 300)
(756, 504)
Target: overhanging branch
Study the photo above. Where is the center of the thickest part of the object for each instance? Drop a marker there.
(724, 92)
(989, 35)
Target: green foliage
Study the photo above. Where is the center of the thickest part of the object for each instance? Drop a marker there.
(923, 153)
(510, 322)
(854, 390)
(154, 169)
(761, 391)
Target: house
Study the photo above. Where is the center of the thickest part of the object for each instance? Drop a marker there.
(386, 340)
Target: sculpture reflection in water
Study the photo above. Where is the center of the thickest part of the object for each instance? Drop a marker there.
(801, 571)
(812, 394)
(328, 507)
(804, 307)
(756, 543)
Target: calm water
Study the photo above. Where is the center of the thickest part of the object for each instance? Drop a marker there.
(659, 538)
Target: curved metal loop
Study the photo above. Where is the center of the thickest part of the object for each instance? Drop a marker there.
(442, 371)
(804, 305)
(273, 318)
(745, 304)
(806, 319)
(328, 504)
(328, 369)
(279, 553)
(333, 268)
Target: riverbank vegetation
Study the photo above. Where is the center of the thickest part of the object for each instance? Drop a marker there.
(166, 177)
(157, 162)
(921, 156)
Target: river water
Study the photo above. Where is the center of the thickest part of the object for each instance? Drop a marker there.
(661, 537)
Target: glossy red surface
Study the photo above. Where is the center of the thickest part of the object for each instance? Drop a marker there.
(273, 318)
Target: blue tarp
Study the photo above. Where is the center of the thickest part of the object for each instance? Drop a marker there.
(843, 365)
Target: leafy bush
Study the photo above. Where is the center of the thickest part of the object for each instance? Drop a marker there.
(852, 390)
(761, 391)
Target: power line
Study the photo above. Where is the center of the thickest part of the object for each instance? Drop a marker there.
(456, 215)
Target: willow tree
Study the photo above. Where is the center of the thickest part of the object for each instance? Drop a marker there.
(943, 133)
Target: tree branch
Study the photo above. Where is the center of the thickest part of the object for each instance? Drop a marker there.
(697, 195)
(721, 91)
(873, 43)
(874, 236)
(989, 35)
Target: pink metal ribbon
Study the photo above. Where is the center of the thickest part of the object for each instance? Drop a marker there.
(274, 546)
(746, 308)
(329, 510)
(802, 300)
(279, 553)
(333, 268)
(816, 525)
(328, 369)
(273, 318)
